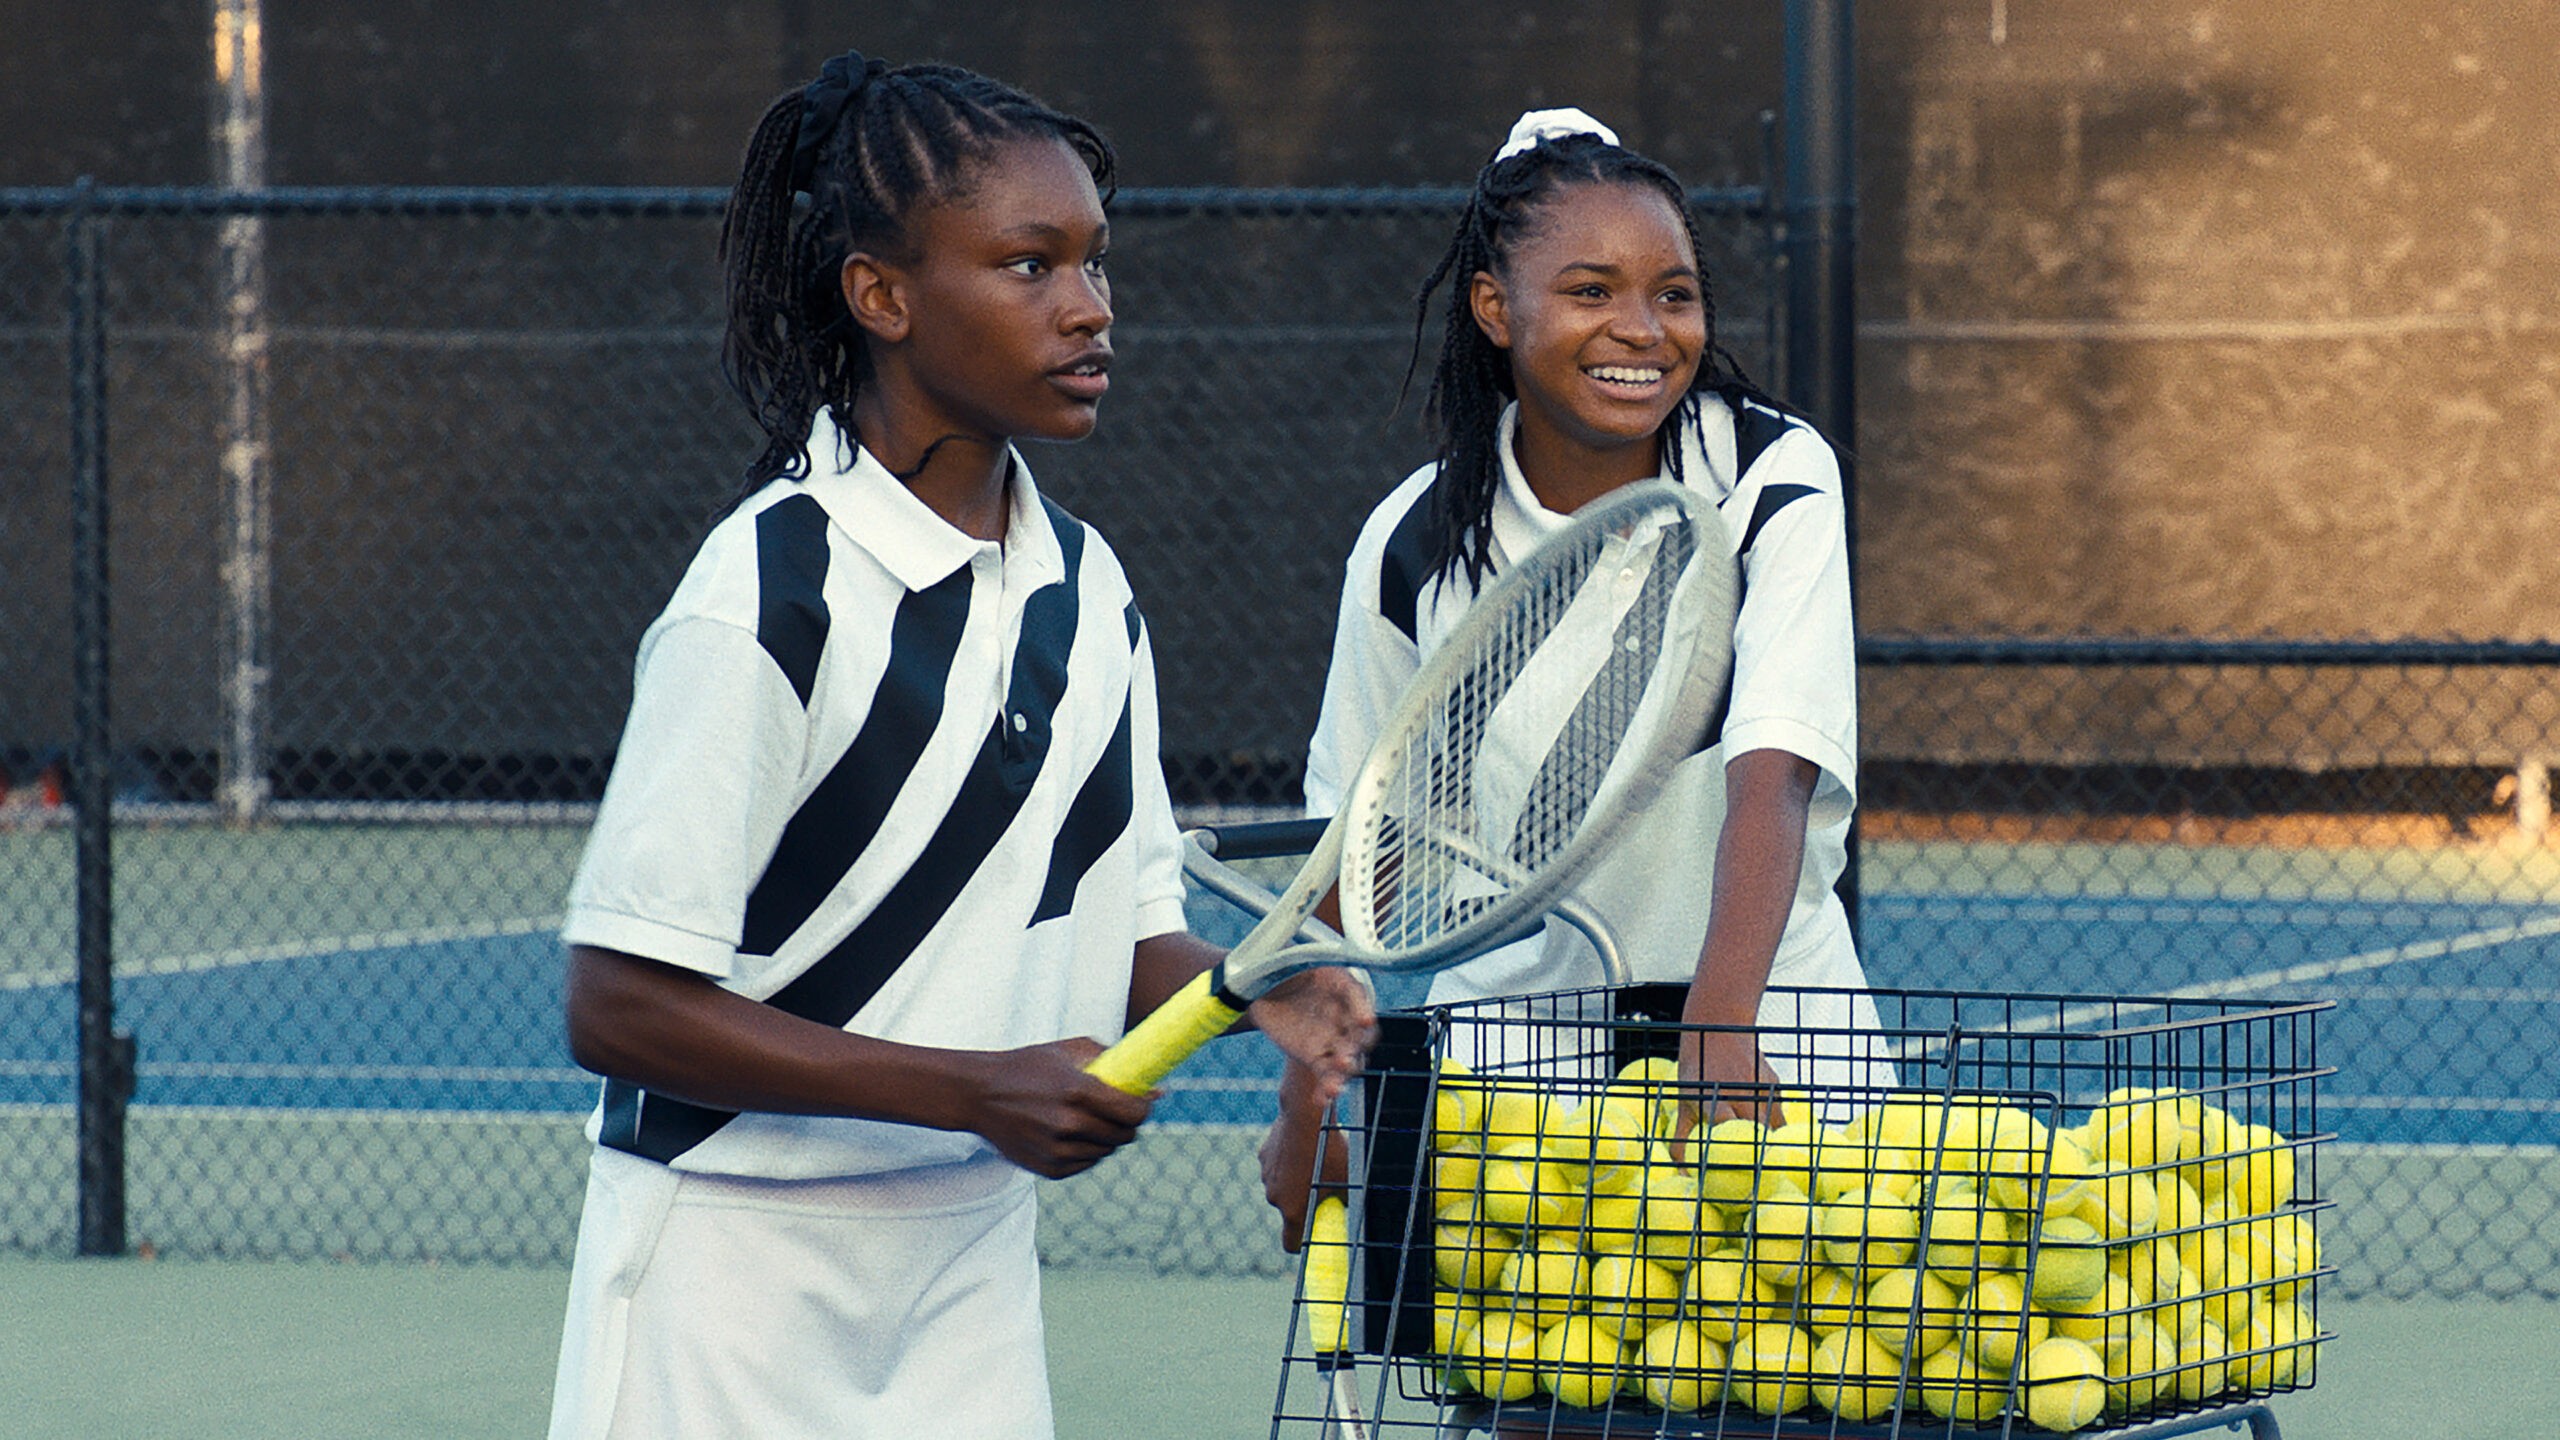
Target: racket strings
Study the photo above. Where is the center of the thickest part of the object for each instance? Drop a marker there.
(1498, 782)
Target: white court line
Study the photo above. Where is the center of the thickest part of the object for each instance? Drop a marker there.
(2309, 972)
(2492, 1104)
(298, 950)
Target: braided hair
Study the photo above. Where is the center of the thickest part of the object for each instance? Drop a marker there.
(837, 167)
(1473, 382)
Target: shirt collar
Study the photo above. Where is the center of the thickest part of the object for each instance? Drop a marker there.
(1706, 466)
(904, 534)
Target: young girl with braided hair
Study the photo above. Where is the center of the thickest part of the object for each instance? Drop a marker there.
(1581, 355)
(886, 852)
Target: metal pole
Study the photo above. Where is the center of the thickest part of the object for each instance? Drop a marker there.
(106, 1057)
(1820, 249)
(241, 148)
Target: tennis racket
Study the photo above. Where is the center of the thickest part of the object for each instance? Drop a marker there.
(1558, 705)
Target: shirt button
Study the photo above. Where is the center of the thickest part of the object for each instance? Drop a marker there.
(1020, 724)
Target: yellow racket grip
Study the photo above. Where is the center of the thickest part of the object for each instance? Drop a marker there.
(1329, 1276)
(1192, 1018)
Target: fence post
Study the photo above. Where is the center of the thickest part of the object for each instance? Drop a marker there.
(241, 149)
(106, 1057)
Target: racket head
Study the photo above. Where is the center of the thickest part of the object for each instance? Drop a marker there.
(1559, 704)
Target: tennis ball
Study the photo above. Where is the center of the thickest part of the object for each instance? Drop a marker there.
(2212, 1134)
(1726, 1298)
(1787, 1157)
(2140, 1363)
(1453, 1321)
(1829, 1301)
(1954, 1386)
(1654, 1083)
(1867, 1229)
(1729, 1171)
(2259, 1179)
(2181, 1206)
(1911, 1312)
(1773, 1369)
(1908, 1122)
(2107, 1313)
(1456, 1175)
(1998, 1327)
(1839, 1168)
(2177, 1297)
(1630, 1295)
(1524, 1190)
(1965, 1236)
(2204, 1363)
(2128, 1204)
(2279, 1343)
(1515, 1110)
(1781, 1244)
(1545, 1282)
(1457, 1107)
(1614, 1148)
(1499, 1360)
(1578, 1362)
(2071, 1263)
(1853, 1376)
(2135, 1130)
(1328, 1275)
(2048, 1182)
(1683, 1369)
(2063, 1384)
(1466, 1253)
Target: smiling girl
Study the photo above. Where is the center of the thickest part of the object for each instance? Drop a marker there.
(886, 850)
(1581, 355)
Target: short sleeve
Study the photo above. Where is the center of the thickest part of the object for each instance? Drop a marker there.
(704, 782)
(1795, 673)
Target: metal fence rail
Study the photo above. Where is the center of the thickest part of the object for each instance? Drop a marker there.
(374, 495)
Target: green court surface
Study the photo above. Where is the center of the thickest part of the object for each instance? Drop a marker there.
(115, 1350)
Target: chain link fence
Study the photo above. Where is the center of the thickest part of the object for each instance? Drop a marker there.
(391, 481)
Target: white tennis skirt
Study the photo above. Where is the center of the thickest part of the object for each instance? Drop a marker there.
(897, 1305)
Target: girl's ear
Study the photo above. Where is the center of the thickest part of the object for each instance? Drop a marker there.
(1491, 307)
(874, 290)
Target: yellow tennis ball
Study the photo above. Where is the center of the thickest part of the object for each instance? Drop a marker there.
(2180, 1207)
(1998, 1326)
(1829, 1301)
(2128, 1205)
(1453, 1322)
(1729, 1171)
(2260, 1178)
(1630, 1295)
(2279, 1344)
(2064, 1386)
(1853, 1376)
(1578, 1362)
(1911, 1312)
(1328, 1275)
(1683, 1369)
(1500, 1358)
(1954, 1386)
(1524, 1190)
(1867, 1230)
(1726, 1298)
(1965, 1236)
(2140, 1363)
(2136, 1131)
(1456, 1175)
(1545, 1282)
(1613, 1224)
(2204, 1363)
(1457, 1107)
(1654, 1083)
(1467, 1253)
(2107, 1313)
(1614, 1149)
(1512, 1112)
(2070, 1263)
(1839, 1167)
(1787, 1157)
(1773, 1369)
(1782, 1237)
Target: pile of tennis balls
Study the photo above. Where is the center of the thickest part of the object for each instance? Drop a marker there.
(1938, 1249)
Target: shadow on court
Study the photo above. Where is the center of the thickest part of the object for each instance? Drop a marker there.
(110, 1350)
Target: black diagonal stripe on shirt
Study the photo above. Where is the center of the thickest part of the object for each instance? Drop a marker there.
(840, 818)
(791, 593)
(1405, 565)
(836, 987)
(1099, 816)
(1772, 500)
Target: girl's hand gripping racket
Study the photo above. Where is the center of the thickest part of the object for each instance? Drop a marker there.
(1558, 704)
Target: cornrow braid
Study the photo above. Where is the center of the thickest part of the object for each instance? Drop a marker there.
(1472, 382)
(837, 167)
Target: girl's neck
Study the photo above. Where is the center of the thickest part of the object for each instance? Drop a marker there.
(960, 477)
(1565, 475)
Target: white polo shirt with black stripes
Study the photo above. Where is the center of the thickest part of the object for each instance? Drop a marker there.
(1793, 688)
(886, 776)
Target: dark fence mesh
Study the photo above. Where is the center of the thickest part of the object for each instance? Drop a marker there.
(397, 478)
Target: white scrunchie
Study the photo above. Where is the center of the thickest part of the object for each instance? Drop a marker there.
(1539, 126)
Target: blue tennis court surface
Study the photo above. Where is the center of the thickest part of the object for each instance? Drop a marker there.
(2447, 1026)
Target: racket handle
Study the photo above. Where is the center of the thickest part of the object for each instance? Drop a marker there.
(1192, 1018)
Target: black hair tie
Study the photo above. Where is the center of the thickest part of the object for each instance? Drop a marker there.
(822, 107)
